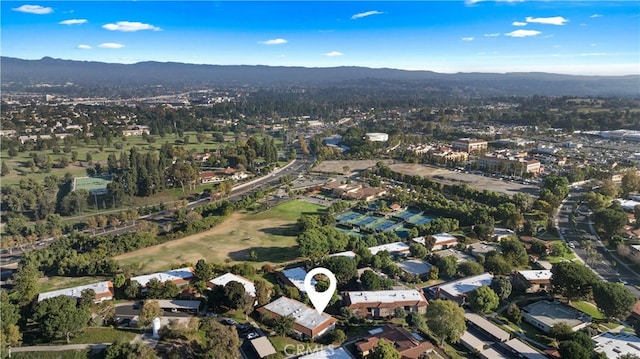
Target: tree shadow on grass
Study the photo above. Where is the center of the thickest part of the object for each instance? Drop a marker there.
(284, 230)
(265, 254)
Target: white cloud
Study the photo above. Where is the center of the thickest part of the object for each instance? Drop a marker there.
(365, 14)
(111, 45)
(523, 33)
(83, 47)
(496, 34)
(274, 42)
(594, 54)
(468, 38)
(34, 9)
(129, 26)
(555, 20)
(519, 23)
(333, 54)
(73, 22)
(595, 16)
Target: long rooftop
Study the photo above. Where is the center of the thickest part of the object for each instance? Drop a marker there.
(466, 285)
(386, 296)
(172, 275)
(304, 316)
(222, 280)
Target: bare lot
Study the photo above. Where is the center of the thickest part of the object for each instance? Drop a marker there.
(354, 165)
(474, 181)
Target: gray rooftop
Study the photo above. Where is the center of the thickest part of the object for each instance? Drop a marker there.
(415, 266)
(552, 313)
(303, 315)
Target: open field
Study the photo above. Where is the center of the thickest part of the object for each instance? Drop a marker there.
(478, 182)
(271, 234)
(54, 283)
(354, 165)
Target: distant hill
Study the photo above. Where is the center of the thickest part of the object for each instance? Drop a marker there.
(56, 71)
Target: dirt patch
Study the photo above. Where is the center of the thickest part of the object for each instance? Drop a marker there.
(354, 165)
(478, 182)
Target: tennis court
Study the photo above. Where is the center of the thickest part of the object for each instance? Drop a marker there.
(406, 215)
(420, 219)
(95, 185)
(383, 225)
(348, 216)
(365, 221)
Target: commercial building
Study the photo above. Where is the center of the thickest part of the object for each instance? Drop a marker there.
(442, 241)
(408, 345)
(508, 164)
(308, 323)
(470, 145)
(103, 291)
(294, 277)
(532, 281)
(545, 314)
(457, 290)
(615, 345)
(177, 276)
(377, 136)
(222, 280)
(382, 303)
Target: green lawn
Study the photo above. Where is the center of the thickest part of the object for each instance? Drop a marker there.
(271, 235)
(588, 308)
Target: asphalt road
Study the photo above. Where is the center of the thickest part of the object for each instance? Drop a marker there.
(607, 267)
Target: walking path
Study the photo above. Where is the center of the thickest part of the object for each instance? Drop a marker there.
(144, 338)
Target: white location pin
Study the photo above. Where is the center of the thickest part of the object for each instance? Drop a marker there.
(320, 299)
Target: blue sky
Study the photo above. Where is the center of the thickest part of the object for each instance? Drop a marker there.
(574, 37)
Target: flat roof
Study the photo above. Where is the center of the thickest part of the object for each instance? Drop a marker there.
(443, 237)
(471, 340)
(304, 316)
(552, 313)
(415, 266)
(386, 296)
(461, 256)
(494, 330)
(178, 304)
(535, 274)
(296, 277)
(263, 346)
(524, 350)
(174, 274)
(222, 280)
(348, 254)
(328, 353)
(394, 247)
(100, 287)
(615, 345)
(466, 285)
(491, 353)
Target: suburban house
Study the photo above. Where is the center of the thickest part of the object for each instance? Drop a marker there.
(457, 290)
(407, 345)
(382, 303)
(177, 276)
(545, 314)
(103, 291)
(308, 322)
(230, 277)
(532, 281)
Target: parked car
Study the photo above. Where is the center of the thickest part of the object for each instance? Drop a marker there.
(227, 321)
(252, 335)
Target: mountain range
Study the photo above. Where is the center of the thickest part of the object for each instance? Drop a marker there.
(84, 73)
